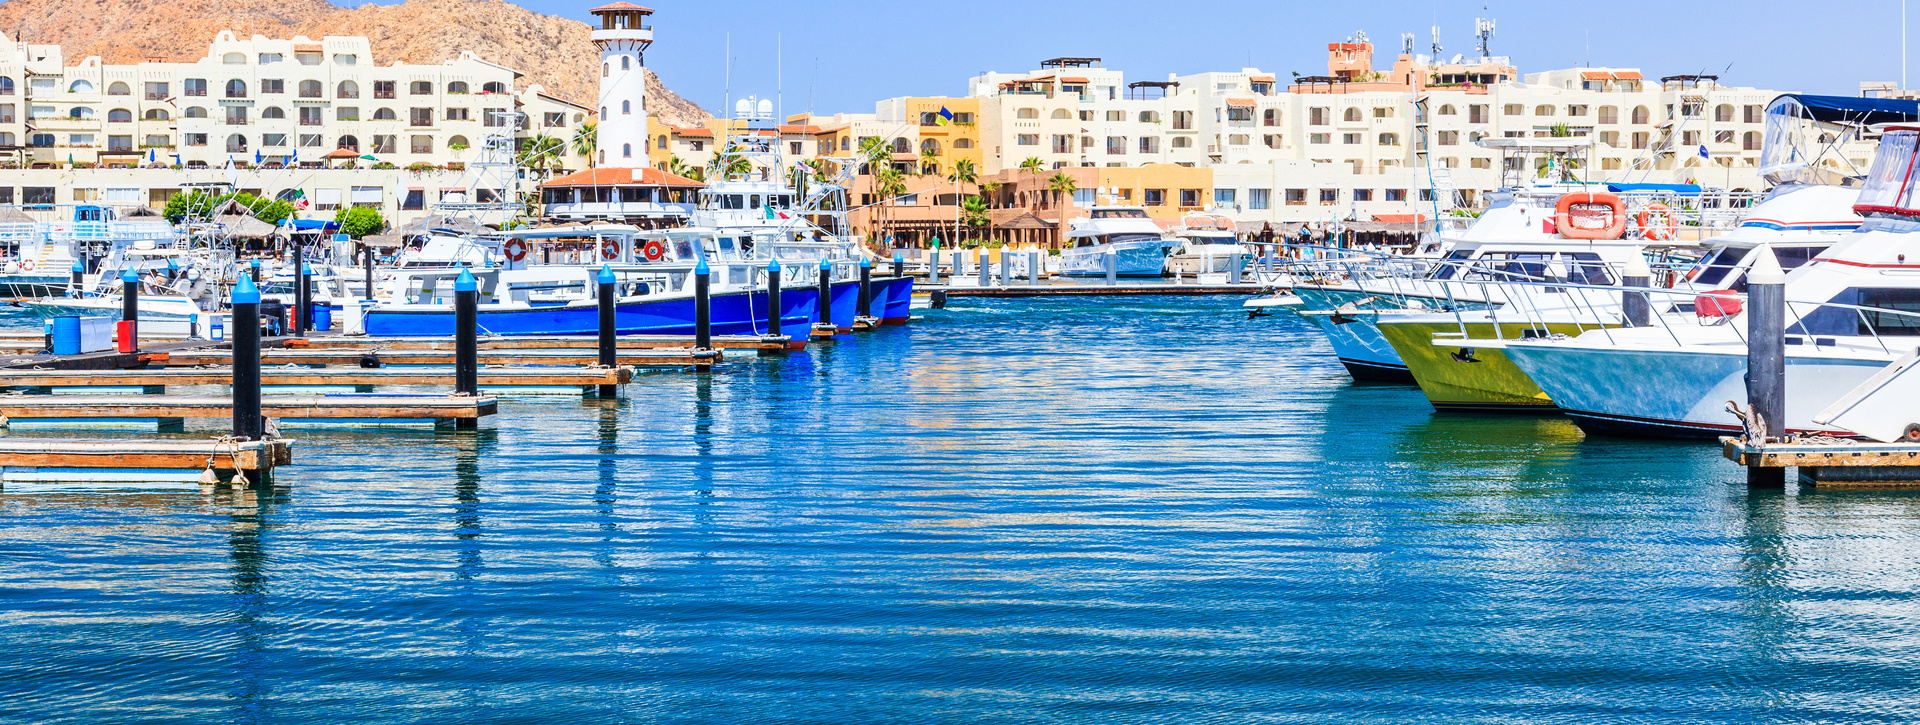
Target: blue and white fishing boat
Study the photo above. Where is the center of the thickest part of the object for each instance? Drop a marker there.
(1136, 242)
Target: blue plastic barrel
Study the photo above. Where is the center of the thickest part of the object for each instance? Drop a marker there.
(322, 317)
(66, 335)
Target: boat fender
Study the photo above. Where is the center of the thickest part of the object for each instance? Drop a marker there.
(655, 250)
(1717, 303)
(515, 249)
(1658, 222)
(1911, 436)
(370, 361)
(609, 249)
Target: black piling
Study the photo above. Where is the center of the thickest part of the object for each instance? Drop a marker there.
(130, 309)
(368, 251)
(865, 308)
(899, 265)
(466, 338)
(302, 299)
(702, 306)
(77, 287)
(825, 327)
(608, 325)
(773, 298)
(1767, 357)
(247, 423)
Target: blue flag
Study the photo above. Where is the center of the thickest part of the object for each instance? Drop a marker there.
(946, 116)
(1703, 152)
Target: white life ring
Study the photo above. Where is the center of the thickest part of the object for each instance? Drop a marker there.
(609, 249)
(515, 249)
(26, 265)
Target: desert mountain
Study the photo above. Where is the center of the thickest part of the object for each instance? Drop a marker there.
(552, 51)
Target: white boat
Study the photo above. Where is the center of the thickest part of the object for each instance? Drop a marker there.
(1208, 245)
(1851, 313)
(1135, 242)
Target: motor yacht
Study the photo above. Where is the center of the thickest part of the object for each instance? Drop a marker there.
(1136, 243)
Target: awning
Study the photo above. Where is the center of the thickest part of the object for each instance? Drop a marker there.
(1401, 218)
(1848, 110)
(1594, 75)
(1629, 75)
(1241, 102)
(320, 224)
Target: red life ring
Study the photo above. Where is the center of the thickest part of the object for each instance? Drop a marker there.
(515, 249)
(609, 249)
(26, 265)
(1665, 227)
(1590, 215)
(655, 250)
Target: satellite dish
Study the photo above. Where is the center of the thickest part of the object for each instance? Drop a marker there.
(766, 107)
(743, 107)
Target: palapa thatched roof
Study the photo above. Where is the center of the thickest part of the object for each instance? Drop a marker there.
(243, 226)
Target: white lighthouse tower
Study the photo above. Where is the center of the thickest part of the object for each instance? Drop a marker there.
(623, 37)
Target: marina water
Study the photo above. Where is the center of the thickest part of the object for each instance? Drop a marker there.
(1059, 510)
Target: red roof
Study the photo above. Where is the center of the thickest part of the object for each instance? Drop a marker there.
(799, 129)
(1261, 79)
(1075, 80)
(621, 177)
(696, 132)
(1629, 75)
(1241, 102)
(1400, 218)
(621, 6)
(1595, 75)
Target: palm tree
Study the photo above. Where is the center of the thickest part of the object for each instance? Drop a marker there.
(543, 153)
(887, 184)
(876, 153)
(679, 167)
(586, 141)
(964, 173)
(973, 212)
(929, 161)
(1063, 187)
(1032, 165)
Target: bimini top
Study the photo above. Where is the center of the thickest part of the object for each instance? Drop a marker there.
(1890, 186)
(1848, 110)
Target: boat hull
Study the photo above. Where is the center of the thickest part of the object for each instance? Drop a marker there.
(1677, 393)
(733, 313)
(1147, 259)
(1465, 378)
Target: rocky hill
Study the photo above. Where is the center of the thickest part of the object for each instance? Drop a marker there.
(552, 51)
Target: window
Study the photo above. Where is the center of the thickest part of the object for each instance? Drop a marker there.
(925, 146)
(194, 112)
(626, 107)
(310, 89)
(273, 85)
(1610, 138)
(1116, 116)
(1610, 164)
(1449, 138)
(1149, 144)
(346, 113)
(662, 144)
(236, 88)
(1513, 109)
(6, 89)
(192, 139)
(1723, 113)
(1149, 117)
(457, 143)
(1753, 114)
(1259, 198)
(347, 89)
(1182, 120)
(1477, 113)
(1270, 117)
(1061, 114)
(1156, 197)
(118, 88)
(1116, 145)
(236, 115)
(80, 112)
(119, 115)
(349, 143)
(1239, 114)
(1223, 198)
(963, 143)
(1640, 139)
(195, 86)
(1396, 195)
(1363, 195)
(273, 140)
(554, 120)
(1448, 110)
(1690, 138)
(236, 143)
(1272, 140)
(310, 115)
(1238, 139)
(155, 139)
(1182, 142)
(1541, 110)
(494, 87)
(457, 87)
(1296, 197)
(345, 59)
(311, 141)
(80, 86)
(1329, 197)
(606, 70)
(1389, 139)
(1609, 114)
(154, 90)
(1352, 115)
(1641, 115)
(494, 117)
(1382, 112)
(1320, 138)
(1190, 197)
(383, 143)
(1750, 141)
(1027, 139)
(1723, 137)
(1349, 138)
(420, 88)
(626, 63)
(423, 144)
(1480, 163)
(1026, 113)
(420, 117)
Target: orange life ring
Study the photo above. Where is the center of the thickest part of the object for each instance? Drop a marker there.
(1590, 215)
(515, 249)
(26, 265)
(609, 249)
(1661, 231)
(655, 250)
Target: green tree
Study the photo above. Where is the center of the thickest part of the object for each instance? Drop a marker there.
(359, 221)
(888, 183)
(586, 141)
(929, 161)
(973, 213)
(1032, 165)
(544, 153)
(877, 154)
(1062, 187)
(679, 167)
(193, 203)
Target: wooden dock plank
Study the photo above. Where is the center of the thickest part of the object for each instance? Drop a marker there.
(554, 342)
(488, 376)
(79, 407)
(574, 358)
(248, 456)
(1843, 455)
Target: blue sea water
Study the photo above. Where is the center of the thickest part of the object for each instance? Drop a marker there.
(1030, 511)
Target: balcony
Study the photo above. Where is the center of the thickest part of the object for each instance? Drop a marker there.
(347, 94)
(233, 148)
(236, 122)
(236, 94)
(420, 122)
(120, 148)
(311, 94)
(383, 94)
(304, 121)
(156, 96)
(7, 118)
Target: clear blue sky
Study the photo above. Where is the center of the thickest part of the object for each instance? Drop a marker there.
(850, 53)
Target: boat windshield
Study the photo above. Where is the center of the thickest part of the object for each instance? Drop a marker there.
(1119, 214)
(1720, 264)
(1890, 188)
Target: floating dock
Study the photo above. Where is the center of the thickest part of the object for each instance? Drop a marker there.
(771, 343)
(62, 460)
(378, 357)
(169, 412)
(1833, 462)
(940, 293)
(497, 377)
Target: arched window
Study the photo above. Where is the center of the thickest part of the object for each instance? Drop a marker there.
(626, 150)
(1181, 142)
(273, 112)
(963, 143)
(1270, 117)
(236, 88)
(1640, 114)
(457, 143)
(1448, 110)
(1061, 113)
(346, 59)
(1388, 139)
(606, 70)
(661, 143)
(902, 146)
(310, 89)
(156, 114)
(236, 143)
(456, 86)
(1027, 113)
(195, 112)
(384, 114)
(349, 143)
(420, 88)
(494, 87)
(1543, 109)
(119, 115)
(929, 145)
(234, 59)
(1750, 141)
(80, 112)
(1723, 113)
(1352, 115)
(348, 89)
(625, 63)
(118, 88)
(626, 107)
(80, 86)
(6, 86)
